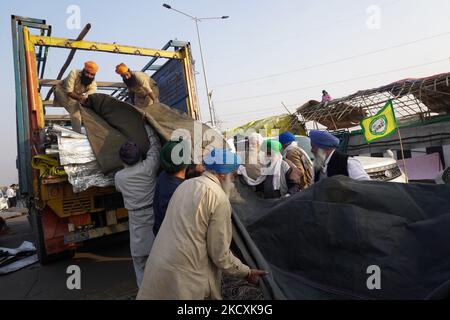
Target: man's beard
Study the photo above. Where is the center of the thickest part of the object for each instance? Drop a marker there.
(320, 159)
(86, 80)
(228, 186)
(131, 81)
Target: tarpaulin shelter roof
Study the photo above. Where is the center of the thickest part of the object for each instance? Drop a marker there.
(412, 98)
(273, 126)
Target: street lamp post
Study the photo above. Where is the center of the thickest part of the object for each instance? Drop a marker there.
(197, 20)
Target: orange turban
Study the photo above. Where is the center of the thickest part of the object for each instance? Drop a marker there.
(91, 67)
(121, 69)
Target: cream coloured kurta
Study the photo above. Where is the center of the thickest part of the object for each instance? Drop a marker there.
(72, 83)
(193, 245)
(142, 89)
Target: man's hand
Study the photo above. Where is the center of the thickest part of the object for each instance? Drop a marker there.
(75, 96)
(152, 96)
(82, 99)
(255, 275)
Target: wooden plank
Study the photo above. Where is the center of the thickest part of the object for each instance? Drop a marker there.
(100, 84)
(57, 117)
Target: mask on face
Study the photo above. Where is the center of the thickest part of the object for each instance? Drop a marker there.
(131, 81)
(85, 80)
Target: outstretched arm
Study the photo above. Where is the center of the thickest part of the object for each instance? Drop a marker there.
(219, 240)
(152, 159)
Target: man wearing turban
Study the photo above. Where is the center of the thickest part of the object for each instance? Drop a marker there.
(174, 166)
(73, 91)
(137, 182)
(281, 177)
(329, 162)
(141, 86)
(295, 154)
(192, 248)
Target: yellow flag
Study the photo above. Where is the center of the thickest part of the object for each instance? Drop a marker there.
(381, 125)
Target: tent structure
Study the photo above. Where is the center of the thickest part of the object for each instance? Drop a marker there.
(272, 125)
(414, 99)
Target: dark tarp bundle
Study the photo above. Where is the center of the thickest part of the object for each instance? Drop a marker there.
(319, 243)
(166, 120)
(110, 123)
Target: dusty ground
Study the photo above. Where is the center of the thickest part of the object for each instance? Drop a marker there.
(106, 270)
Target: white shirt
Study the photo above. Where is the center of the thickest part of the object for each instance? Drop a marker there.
(10, 193)
(355, 169)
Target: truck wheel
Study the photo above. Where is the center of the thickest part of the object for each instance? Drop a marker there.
(45, 258)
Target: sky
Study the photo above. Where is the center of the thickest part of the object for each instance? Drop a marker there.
(267, 53)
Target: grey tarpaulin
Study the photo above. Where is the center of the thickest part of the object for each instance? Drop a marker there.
(16, 259)
(319, 243)
(110, 123)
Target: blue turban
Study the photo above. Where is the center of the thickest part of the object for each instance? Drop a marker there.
(323, 139)
(129, 153)
(286, 137)
(221, 161)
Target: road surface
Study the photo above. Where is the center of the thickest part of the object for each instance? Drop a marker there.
(106, 270)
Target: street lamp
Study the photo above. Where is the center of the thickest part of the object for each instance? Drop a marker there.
(197, 20)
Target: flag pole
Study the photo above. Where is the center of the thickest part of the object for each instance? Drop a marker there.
(403, 153)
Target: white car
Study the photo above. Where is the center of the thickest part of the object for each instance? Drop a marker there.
(383, 169)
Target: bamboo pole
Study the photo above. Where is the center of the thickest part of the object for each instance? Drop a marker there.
(403, 153)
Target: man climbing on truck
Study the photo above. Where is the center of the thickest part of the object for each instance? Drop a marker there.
(143, 89)
(71, 92)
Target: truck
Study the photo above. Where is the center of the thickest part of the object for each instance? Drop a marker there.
(62, 219)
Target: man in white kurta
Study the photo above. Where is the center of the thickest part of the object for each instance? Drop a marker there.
(193, 244)
(137, 183)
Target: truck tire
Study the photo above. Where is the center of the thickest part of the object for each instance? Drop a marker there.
(44, 258)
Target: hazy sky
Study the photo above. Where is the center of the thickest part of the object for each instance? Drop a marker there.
(268, 52)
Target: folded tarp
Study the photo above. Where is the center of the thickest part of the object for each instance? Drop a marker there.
(166, 121)
(110, 123)
(321, 243)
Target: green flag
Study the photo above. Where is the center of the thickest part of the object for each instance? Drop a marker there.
(381, 125)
